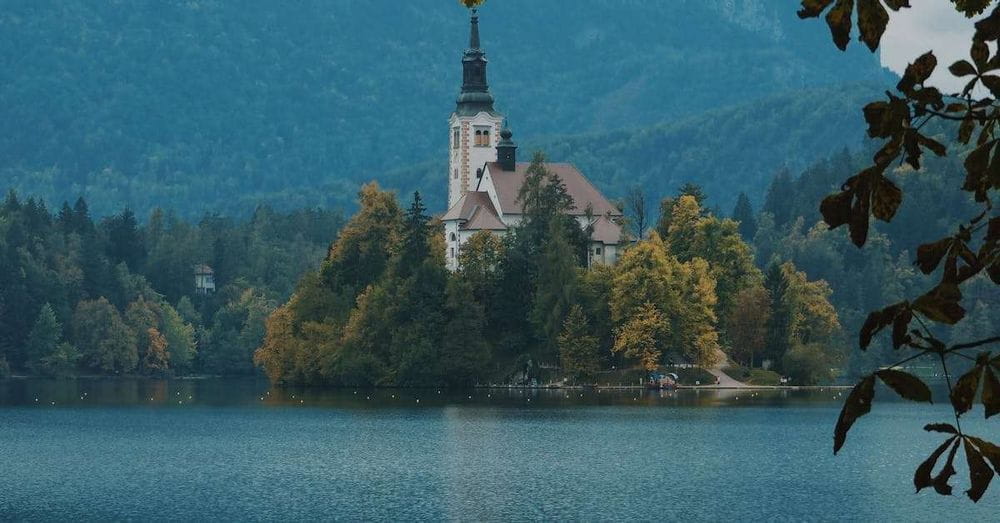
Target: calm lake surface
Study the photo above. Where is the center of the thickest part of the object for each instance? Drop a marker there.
(241, 450)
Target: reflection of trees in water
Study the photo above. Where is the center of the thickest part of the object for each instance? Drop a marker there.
(258, 393)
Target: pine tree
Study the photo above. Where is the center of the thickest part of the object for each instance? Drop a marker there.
(695, 191)
(779, 195)
(11, 203)
(125, 243)
(464, 351)
(415, 247)
(82, 223)
(544, 199)
(43, 339)
(578, 348)
(556, 290)
(65, 219)
(779, 326)
(743, 214)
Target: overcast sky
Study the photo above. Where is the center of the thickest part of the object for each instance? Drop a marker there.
(928, 25)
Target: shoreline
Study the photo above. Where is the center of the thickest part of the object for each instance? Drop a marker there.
(475, 387)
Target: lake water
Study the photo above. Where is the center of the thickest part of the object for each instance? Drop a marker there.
(240, 450)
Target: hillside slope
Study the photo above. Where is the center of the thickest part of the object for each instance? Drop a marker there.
(216, 105)
(726, 151)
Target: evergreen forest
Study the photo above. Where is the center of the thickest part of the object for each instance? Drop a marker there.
(216, 106)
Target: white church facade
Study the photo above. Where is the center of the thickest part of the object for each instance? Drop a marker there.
(485, 178)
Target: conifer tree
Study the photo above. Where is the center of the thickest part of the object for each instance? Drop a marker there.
(414, 249)
(125, 242)
(43, 339)
(578, 348)
(544, 199)
(82, 223)
(743, 214)
(780, 192)
(556, 291)
(65, 218)
(779, 326)
(464, 350)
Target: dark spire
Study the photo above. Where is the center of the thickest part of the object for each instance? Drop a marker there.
(506, 150)
(474, 34)
(475, 96)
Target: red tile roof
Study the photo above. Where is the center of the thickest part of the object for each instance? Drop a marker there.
(475, 211)
(508, 186)
(606, 231)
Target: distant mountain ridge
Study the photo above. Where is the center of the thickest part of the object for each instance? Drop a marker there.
(727, 151)
(216, 106)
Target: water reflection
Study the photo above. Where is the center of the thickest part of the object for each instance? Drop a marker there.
(257, 392)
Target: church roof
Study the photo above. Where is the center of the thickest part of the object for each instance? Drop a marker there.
(606, 231)
(508, 186)
(484, 219)
(476, 211)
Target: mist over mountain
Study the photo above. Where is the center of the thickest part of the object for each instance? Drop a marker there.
(218, 106)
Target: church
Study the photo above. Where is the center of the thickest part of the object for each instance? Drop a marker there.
(485, 178)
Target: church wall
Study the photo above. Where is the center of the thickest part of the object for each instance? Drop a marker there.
(486, 184)
(469, 157)
(451, 246)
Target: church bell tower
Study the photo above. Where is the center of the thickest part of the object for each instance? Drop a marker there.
(474, 126)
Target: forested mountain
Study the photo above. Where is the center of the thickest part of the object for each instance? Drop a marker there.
(726, 151)
(221, 105)
(789, 228)
(112, 296)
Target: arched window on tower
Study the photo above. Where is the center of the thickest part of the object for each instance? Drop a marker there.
(455, 174)
(454, 138)
(482, 137)
(452, 237)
